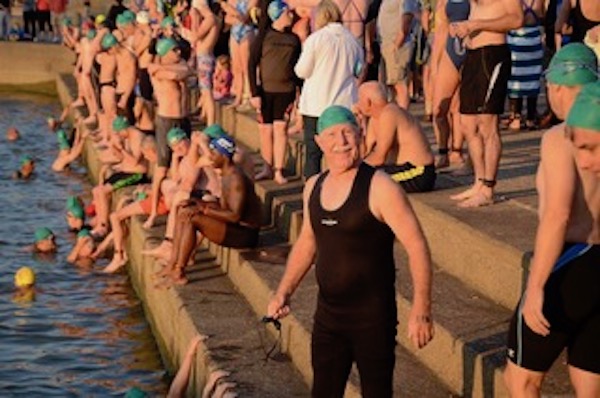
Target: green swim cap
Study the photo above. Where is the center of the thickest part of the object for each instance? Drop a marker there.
(120, 123)
(109, 41)
(214, 131)
(72, 201)
(585, 112)
(167, 21)
(83, 233)
(335, 115)
(63, 141)
(75, 209)
(42, 234)
(140, 196)
(25, 159)
(175, 135)
(574, 65)
(135, 392)
(91, 34)
(66, 21)
(163, 46)
(125, 18)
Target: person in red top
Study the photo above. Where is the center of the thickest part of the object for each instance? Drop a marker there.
(43, 19)
(57, 9)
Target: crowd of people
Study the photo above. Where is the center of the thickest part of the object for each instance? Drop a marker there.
(344, 73)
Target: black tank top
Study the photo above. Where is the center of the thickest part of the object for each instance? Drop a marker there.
(355, 259)
(580, 24)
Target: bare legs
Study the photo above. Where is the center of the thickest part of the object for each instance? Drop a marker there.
(240, 54)
(445, 88)
(273, 145)
(120, 257)
(485, 147)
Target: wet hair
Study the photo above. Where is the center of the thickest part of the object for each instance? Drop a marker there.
(327, 12)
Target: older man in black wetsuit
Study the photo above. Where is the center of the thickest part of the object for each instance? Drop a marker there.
(356, 317)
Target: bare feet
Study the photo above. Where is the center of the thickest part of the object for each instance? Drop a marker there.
(279, 178)
(212, 381)
(480, 199)
(116, 263)
(466, 194)
(161, 251)
(455, 157)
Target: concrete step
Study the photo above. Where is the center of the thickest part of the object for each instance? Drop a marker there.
(210, 305)
(256, 274)
(469, 348)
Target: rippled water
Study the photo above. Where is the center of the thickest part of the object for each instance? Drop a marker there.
(84, 333)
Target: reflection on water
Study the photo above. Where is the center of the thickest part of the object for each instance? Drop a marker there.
(79, 333)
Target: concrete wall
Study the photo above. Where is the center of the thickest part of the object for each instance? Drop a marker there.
(23, 63)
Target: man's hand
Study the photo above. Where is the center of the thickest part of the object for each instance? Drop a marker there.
(460, 29)
(420, 327)
(279, 307)
(532, 311)
(256, 103)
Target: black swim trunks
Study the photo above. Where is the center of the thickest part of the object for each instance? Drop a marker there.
(572, 306)
(484, 80)
(240, 236)
(121, 180)
(412, 178)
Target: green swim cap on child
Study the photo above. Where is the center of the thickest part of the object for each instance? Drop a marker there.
(175, 135)
(83, 233)
(120, 123)
(585, 112)
(135, 392)
(75, 209)
(63, 141)
(25, 159)
(167, 21)
(24, 277)
(163, 46)
(42, 233)
(335, 115)
(214, 131)
(125, 18)
(108, 41)
(66, 21)
(573, 65)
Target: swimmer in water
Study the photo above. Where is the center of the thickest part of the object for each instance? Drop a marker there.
(26, 170)
(25, 285)
(81, 254)
(75, 214)
(12, 134)
(44, 241)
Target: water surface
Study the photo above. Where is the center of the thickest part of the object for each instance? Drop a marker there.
(84, 333)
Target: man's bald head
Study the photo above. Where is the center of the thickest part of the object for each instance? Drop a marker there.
(371, 95)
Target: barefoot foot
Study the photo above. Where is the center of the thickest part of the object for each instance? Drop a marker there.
(115, 265)
(478, 200)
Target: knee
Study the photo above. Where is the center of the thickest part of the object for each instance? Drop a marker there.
(520, 382)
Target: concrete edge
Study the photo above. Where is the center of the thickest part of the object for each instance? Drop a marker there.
(169, 319)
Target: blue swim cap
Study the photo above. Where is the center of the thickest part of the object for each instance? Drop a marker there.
(276, 8)
(224, 145)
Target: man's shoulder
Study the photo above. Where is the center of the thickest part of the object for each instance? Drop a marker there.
(556, 146)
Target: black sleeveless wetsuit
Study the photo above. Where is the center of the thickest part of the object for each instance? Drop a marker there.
(356, 312)
(581, 24)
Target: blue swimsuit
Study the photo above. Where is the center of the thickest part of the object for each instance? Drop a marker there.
(457, 11)
(240, 31)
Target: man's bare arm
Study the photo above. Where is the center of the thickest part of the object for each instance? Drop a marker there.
(235, 198)
(299, 261)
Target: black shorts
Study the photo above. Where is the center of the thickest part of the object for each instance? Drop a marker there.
(240, 236)
(412, 178)
(275, 106)
(162, 127)
(120, 180)
(145, 85)
(484, 80)
(572, 306)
